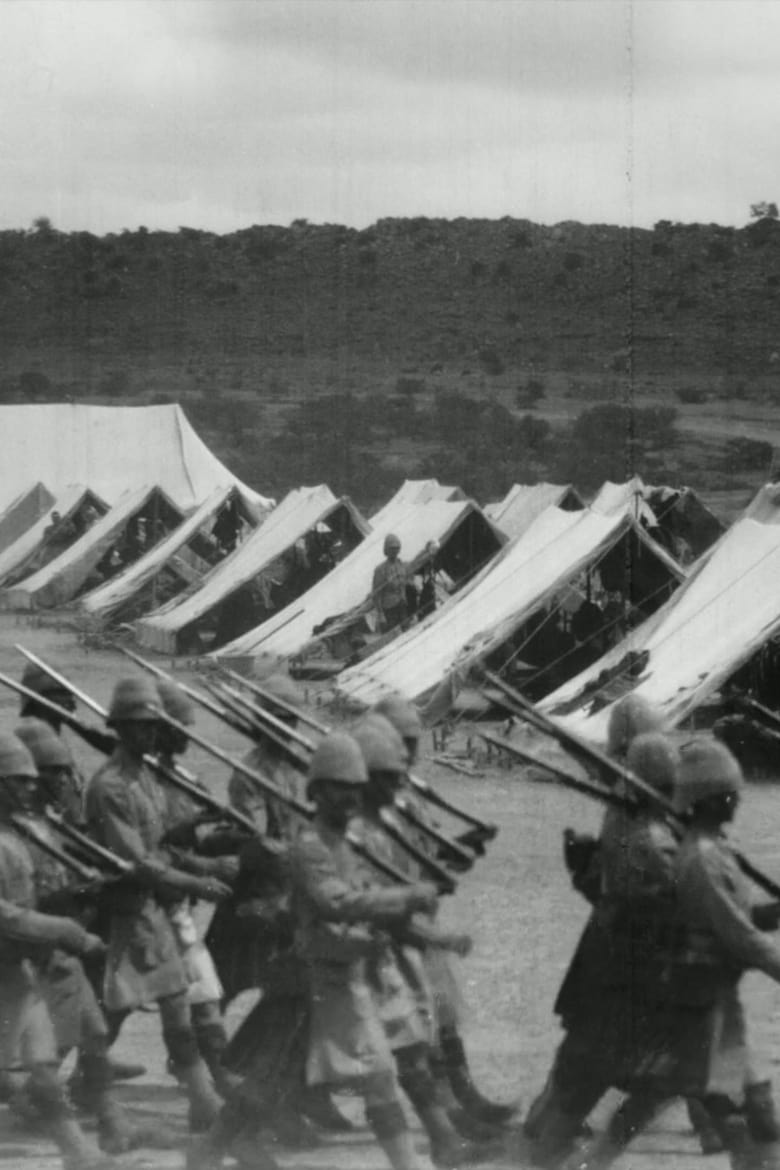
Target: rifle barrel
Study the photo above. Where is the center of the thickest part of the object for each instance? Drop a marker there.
(587, 751)
(28, 830)
(63, 682)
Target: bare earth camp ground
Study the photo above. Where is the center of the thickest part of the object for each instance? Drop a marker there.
(517, 903)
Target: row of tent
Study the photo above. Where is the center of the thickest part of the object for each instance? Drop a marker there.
(641, 589)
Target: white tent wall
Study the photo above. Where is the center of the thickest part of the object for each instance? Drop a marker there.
(59, 581)
(126, 585)
(524, 502)
(299, 512)
(765, 505)
(23, 512)
(112, 449)
(349, 583)
(414, 491)
(524, 577)
(13, 559)
(714, 623)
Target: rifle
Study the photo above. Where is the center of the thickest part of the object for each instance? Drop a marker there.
(480, 830)
(565, 778)
(452, 849)
(27, 829)
(120, 865)
(589, 754)
(279, 735)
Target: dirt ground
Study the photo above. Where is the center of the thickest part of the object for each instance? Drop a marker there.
(516, 902)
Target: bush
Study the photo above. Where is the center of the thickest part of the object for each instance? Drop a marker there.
(743, 454)
(34, 384)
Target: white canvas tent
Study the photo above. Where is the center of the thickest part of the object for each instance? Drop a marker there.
(23, 512)
(27, 553)
(525, 501)
(297, 514)
(112, 598)
(348, 586)
(111, 449)
(726, 610)
(60, 580)
(531, 572)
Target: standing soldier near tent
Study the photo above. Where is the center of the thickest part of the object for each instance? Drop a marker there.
(27, 1039)
(448, 1057)
(126, 811)
(389, 586)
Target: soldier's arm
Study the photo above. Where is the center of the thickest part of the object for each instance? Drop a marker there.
(708, 889)
(315, 873)
(111, 812)
(31, 926)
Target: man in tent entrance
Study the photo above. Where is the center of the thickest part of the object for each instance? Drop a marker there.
(389, 587)
(58, 535)
(127, 811)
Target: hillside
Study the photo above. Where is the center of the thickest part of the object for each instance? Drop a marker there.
(470, 349)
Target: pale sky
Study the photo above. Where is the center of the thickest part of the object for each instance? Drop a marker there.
(218, 114)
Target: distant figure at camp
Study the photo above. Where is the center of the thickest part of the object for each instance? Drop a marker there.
(90, 517)
(433, 580)
(389, 586)
(58, 535)
(227, 528)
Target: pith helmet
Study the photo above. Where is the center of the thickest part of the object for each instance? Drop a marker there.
(402, 714)
(15, 759)
(47, 749)
(281, 686)
(706, 769)
(338, 757)
(391, 541)
(382, 747)
(36, 679)
(652, 758)
(175, 703)
(133, 699)
(631, 716)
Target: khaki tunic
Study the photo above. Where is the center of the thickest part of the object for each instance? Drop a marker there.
(27, 939)
(334, 912)
(126, 811)
(272, 817)
(707, 1051)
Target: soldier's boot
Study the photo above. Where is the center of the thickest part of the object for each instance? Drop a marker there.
(205, 1104)
(211, 1039)
(317, 1105)
(632, 1116)
(464, 1122)
(448, 1148)
(463, 1087)
(116, 1133)
(392, 1133)
(78, 1150)
(709, 1139)
(553, 1135)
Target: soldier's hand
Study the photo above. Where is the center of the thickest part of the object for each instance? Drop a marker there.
(94, 944)
(423, 896)
(458, 944)
(209, 889)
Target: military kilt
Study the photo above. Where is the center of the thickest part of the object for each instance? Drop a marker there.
(26, 1030)
(143, 962)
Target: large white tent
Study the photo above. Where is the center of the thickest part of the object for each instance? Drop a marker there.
(725, 611)
(112, 598)
(27, 553)
(23, 512)
(348, 585)
(60, 580)
(298, 513)
(529, 573)
(111, 449)
(525, 501)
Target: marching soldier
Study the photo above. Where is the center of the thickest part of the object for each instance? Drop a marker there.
(448, 1057)
(397, 974)
(337, 915)
(126, 811)
(27, 1038)
(77, 1018)
(204, 990)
